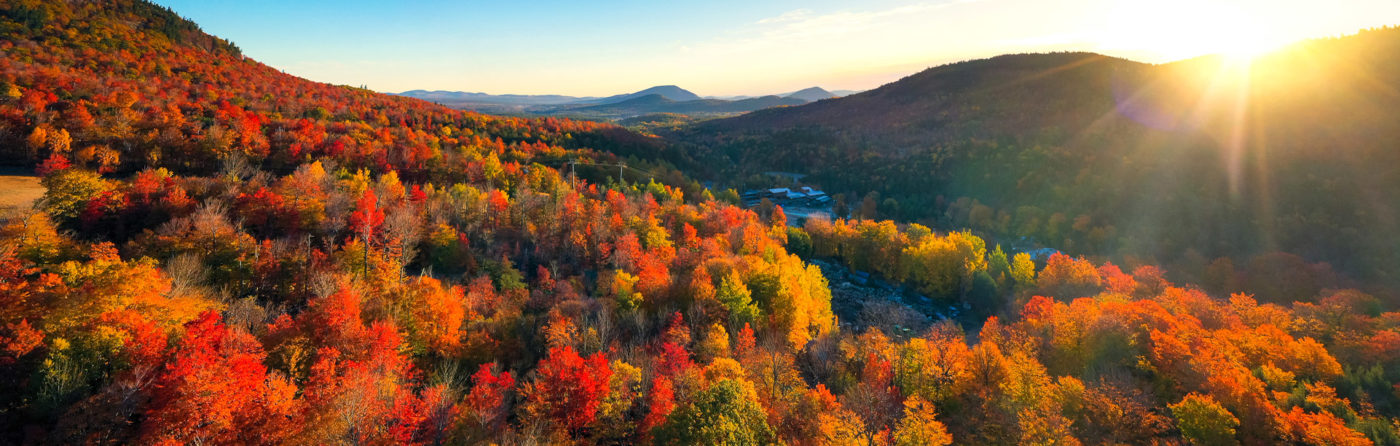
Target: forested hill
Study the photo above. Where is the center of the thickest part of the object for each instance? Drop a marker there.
(1005, 96)
(131, 85)
(226, 254)
(1186, 163)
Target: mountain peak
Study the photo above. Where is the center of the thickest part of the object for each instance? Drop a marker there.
(811, 94)
(671, 92)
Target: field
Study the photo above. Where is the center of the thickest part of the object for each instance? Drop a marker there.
(18, 190)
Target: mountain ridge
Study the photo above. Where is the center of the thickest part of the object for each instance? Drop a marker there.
(1126, 146)
(631, 104)
(655, 103)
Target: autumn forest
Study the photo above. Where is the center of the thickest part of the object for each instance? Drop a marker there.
(228, 254)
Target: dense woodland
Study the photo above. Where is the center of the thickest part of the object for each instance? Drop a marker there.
(1181, 164)
(226, 254)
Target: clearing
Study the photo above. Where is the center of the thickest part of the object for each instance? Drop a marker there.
(18, 189)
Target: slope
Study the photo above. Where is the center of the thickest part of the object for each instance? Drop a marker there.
(1205, 157)
(227, 254)
(127, 95)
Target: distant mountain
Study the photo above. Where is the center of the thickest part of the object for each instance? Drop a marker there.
(660, 99)
(845, 92)
(550, 104)
(810, 94)
(656, 103)
(450, 97)
(671, 92)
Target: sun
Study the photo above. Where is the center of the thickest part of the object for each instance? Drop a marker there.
(1244, 41)
(1168, 31)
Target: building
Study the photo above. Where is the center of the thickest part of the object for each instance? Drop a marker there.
(805, 196)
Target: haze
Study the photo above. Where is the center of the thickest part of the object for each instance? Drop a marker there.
(730, 47)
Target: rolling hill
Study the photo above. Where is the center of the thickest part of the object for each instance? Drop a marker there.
(1184, 162)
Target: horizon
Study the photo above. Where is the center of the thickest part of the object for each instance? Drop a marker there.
(559, 48)
(1090, 222)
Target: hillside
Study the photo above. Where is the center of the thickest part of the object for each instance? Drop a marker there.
(1145, 161)
(227, 254)
(976, 99)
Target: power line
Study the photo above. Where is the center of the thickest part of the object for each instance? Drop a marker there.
(651, 175)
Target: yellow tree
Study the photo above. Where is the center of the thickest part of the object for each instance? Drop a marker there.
(920, 426)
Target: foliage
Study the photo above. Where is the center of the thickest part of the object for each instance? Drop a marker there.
(227, 254)
(1204, 421)
(725, 413)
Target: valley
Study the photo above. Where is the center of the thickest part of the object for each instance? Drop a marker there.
(668, 99)
(199, 247)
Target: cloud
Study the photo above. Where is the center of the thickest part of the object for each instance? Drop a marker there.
(804, 24)
(798, 47)
(1060, 39)
(805, 27)
(793, 15)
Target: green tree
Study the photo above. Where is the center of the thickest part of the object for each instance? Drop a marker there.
(728, 196)
(69, 191)
(727, 413)
(983, 295)
(1023, 270)
(799, 242)
(999, 266)
(736, 297)
(1204, 421)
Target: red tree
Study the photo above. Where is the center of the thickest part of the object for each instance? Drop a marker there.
(213, 389)
(569, 388)
(660, 402)
(367, 217)
(487, 400)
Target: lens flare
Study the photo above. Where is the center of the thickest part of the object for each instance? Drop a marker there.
(1190, 28)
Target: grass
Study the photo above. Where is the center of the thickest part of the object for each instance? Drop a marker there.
(18, 190)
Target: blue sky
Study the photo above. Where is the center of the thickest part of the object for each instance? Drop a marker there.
(732, 47)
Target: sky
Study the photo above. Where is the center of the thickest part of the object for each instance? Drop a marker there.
(733, 47)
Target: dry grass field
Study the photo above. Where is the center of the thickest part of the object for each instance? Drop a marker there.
(18, 190)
